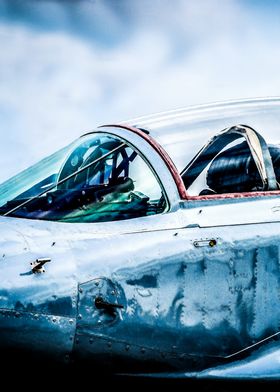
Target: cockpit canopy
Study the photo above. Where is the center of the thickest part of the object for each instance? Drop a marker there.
(98, 178)
(184, 132)
(102, 177)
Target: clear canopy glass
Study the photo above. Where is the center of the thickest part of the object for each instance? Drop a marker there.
(97, 178)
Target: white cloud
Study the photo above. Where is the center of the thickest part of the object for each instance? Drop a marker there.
(54, 86)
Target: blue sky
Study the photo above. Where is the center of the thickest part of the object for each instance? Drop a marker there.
(68, 66)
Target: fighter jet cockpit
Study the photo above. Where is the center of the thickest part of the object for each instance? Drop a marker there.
(98, 178)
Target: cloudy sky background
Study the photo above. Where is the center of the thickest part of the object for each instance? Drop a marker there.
(69, 66)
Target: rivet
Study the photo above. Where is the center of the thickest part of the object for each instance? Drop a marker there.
(71, 321)
(96, 283)
(54, 320)
(212, 243)
(80, 316)
(143, 350)
(17, 314)
(99, 322)
(127, 347)
(80, 290)
(113, 293)
(90, 340)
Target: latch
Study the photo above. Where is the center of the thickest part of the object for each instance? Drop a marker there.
(205, 242)
(38, 265)
(101, 304)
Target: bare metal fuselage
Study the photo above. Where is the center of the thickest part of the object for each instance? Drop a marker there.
(193, 292)
(188, 306)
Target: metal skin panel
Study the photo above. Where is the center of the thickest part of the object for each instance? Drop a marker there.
(37, 311)
(189, 305)
(199, 287)
(34, 337)
(88, 314)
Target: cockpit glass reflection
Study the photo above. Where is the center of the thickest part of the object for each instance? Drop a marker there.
(100, 178)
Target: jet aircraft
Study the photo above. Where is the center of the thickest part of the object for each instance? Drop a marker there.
(150, 247)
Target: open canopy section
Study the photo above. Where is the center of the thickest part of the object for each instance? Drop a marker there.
(183, 132)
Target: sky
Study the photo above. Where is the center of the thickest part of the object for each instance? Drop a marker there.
(67, 66)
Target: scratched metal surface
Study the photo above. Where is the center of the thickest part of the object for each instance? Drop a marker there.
(192, 305)
(185, 307)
